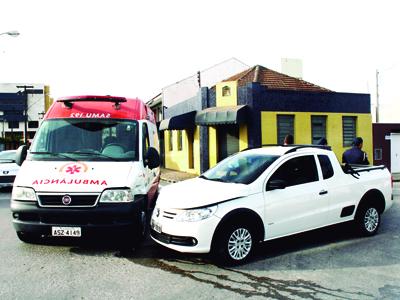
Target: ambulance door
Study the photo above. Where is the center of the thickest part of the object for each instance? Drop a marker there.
(151, 176)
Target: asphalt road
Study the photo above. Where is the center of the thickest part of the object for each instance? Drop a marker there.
(330, 263)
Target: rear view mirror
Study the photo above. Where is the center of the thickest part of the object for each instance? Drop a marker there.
(276, 184)
(20, 156)
(152, 158)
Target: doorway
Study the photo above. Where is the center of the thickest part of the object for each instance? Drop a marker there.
(395, 152)
(228, 140)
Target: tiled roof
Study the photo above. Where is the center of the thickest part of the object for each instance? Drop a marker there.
(274, 80)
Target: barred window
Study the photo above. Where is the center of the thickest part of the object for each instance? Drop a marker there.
(170, 141)
(318, 128)
(349, 130)
(179, 140)
(285, 127)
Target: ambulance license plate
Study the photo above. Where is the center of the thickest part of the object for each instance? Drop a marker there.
(66, 231)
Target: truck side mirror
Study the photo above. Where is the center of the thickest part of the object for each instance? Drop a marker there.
(20, 155)
(152, 158)
(276, 184)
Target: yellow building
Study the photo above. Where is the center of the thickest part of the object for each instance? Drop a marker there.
(257, 107)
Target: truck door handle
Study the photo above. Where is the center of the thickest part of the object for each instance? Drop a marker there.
(323, 192)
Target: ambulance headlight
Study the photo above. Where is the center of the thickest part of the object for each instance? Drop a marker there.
(23, 194)
(117, 196)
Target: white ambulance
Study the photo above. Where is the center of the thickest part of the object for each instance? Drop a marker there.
(93, 167)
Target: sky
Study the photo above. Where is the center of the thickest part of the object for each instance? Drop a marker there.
(135, 48)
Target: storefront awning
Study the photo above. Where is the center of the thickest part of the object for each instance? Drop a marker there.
(222, 115)
(183, 121)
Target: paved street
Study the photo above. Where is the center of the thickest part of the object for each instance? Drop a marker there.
(325, 264)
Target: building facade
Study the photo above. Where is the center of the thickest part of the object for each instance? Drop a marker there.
(387, 145)
(22, 106)
(257, 107)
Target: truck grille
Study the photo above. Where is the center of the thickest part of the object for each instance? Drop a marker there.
(76, 200)
(168, 215)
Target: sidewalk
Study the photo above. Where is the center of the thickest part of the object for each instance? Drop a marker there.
(175, 176)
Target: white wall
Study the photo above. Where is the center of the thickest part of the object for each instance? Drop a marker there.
(188, 87)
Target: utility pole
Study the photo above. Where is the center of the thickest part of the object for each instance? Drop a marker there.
(377, 98)
(25, 111)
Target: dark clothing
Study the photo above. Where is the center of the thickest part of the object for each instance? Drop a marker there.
(355, 156)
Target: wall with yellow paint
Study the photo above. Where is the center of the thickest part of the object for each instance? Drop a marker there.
(212, 146)
(334, 130)
(229, 100)
(243, 138)
(179, 159)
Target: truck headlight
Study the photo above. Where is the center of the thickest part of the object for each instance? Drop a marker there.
(117, 196)
(194, 215)
(23, 194)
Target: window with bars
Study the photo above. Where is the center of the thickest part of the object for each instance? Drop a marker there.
(318, 128)
(285, 127)
(349, 130)
(170, 141)
(179, 140)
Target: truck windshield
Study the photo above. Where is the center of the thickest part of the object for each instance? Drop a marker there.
(243, 167)
(88, 139)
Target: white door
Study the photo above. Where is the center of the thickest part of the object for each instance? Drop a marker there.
(301, 205)
(395, 152)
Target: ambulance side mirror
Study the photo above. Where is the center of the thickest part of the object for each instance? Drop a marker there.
(20, 156)
(152, 158)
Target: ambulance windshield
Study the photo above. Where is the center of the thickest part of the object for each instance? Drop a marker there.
(86, 140)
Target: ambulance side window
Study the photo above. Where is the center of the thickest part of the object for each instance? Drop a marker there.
(145, 139)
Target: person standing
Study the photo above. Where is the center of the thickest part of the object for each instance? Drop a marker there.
(355, 155)
(289, 140)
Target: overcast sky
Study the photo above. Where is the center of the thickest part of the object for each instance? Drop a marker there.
(135, 48)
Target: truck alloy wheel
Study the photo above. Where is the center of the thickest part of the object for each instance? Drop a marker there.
(233, 244)
(239, 244)
(368, 220)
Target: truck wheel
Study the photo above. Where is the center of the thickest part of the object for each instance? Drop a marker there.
(28, 237)
(367, 219)
(234, 244)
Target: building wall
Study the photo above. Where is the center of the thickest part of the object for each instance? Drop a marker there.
(381, 141)
(230, 100)
(179, 159)
(334, 131)
(189, 87)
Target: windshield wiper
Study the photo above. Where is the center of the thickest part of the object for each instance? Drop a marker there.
(93, 153)
(54, 154)
(212, 179)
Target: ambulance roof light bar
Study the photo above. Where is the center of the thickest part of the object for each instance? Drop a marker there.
(68, 101)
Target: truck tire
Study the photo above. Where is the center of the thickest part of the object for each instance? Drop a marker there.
(28, 238)
(234, 244)
(367, 219)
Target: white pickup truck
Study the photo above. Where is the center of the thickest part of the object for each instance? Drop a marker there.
(263, 194)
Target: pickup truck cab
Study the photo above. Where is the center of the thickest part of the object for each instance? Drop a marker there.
(263, 194)
(93, 167)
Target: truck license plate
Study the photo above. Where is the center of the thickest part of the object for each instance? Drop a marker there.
(156, 226)
(66, 231)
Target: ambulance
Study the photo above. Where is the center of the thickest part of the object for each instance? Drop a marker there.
(92, 169)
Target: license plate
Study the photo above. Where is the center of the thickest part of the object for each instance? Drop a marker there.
(66, 231)
(156, 226)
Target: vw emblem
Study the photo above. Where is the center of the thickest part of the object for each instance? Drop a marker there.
(66, 200)
(6, 172)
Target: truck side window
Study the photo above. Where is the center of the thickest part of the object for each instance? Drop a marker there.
(145, 139)
(298, 170)
(326, 166)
